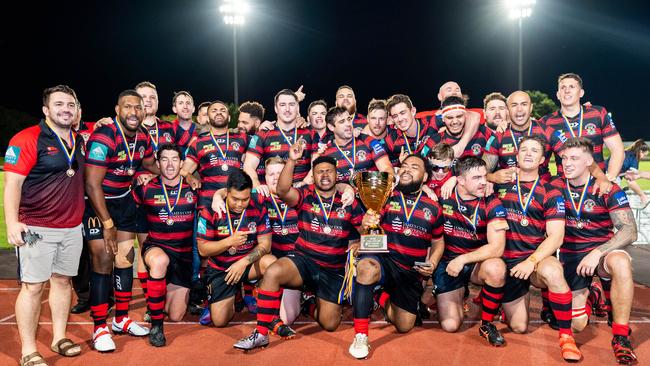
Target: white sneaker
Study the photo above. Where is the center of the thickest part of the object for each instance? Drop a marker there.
(103, 340)
(359, 348)
(129, 326)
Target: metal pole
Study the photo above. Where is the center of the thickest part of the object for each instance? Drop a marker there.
(234, 49)
(521, 62)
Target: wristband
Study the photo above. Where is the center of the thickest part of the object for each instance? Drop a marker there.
(108, 224)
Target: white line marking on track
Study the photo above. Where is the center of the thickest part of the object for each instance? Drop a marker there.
(14, 315)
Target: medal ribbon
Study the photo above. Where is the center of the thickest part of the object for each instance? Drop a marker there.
(171, 208)
(417, 138)
(130, 153)
(221, 152)
(578, 208)
(515, 139)
(566, 122)
(295, 136)
(326, 215)
(241, 219)
(406, 209)
(352, 162)
(474, 218)
(522, 204)
(283, 214)
(154, 141)
(191, 131)
(69, 154)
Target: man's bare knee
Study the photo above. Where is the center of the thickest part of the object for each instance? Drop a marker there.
(450, 325)
(367, 272)
(34, 289)
(579, 324)
(518, 327)
(619, 265)
(494, 271)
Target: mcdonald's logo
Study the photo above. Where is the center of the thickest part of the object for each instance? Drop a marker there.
(94, 222)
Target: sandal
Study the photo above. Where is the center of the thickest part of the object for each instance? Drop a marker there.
(64, 346)
(29, 360)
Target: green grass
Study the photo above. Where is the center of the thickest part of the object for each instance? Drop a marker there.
(645, 185)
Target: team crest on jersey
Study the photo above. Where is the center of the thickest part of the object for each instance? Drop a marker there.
(189, 197)
(502, 192)
(589, 205)
(162, 214)
(361, 155)
(222, 230)
(141, 151)
(252, 226)
(507, 149)
(427, 214)
(235, 145)
(397, 224)
(158, 199)
(447, 210)
(275, 146)
(476, 149)
(340, 212)
(167, 137)
(590, 128)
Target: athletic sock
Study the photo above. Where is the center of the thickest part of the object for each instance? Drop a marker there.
(607, 287)
(361, 307)
(123, 284)
(490, 302)
(620, 329)
(143, 276)
(560, 303)
(268, 309)
(545, 302)
(100, 288)
(156, 299)
(384, 298)
(248, 289)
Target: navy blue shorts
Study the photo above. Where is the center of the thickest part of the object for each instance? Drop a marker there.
(442, 282)
(218, 289)
(179, 270)
(570, 262)
(514, 287)
(326, 283)
(122, 211)
(403, 286)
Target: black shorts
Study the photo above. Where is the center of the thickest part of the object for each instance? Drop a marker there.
(403, 286)
(442, 282)
(122, 211)
(570, 262)
(514, 287)
(327, 284)
(141, 225)
(179, 270)
(218, 289)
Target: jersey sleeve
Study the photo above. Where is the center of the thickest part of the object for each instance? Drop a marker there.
(554, 207)
(205, 228)
(192, 153)
(494, 209)
(256, 145)
(378, 150)
(263, 223)
(22, 152)
(491, 138)
(616, 199)
(100, 146)
(608, 127)
(357, 218)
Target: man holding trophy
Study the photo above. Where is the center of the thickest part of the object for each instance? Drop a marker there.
(412, 223)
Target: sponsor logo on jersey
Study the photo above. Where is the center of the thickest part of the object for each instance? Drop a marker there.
(12, 155)
(98, 152)
(202, 226)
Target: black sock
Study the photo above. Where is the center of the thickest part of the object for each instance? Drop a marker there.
(123, 284)
(100, 288)
(362, 300)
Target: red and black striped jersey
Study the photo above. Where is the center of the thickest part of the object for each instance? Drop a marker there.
(213, 167)
(480, 143)
(210, 227)
(547, 204)
(423, 226)
(597, 125)
(396, 140)
(359, 122)
(460, 235)
(276, 142)
(183, 137)
(163, 134)
(178, 236)
(435, 185)
(506, 147)
(85, 130)
(283, 221)
(594, 227)
(367, 152)
(326, 249)
(49, 197)
(434, 120)
(106, 149)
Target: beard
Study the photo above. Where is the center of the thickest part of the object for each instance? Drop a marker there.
(409, 188)
(218, 124)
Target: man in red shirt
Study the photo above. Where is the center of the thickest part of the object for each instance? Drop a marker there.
(43, 198)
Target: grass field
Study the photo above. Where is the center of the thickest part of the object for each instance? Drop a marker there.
(645, 185)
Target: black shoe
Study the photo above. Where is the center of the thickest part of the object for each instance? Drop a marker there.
(281, 329)
(157, 336)
(80, 307)
(549, 318)
(195, 309)
(489, 331)
(623, 350)
(422, 314)
(307, 301)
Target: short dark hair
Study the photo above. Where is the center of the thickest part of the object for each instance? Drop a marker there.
(239, 181)
(580, 142)
(570, 75)
(452, 100)
(255, 109)
(537, 138)
(219, 102)
(377, 104)
(316, 103)
(178, 94)
(203, 105)
(172, 147)
(324, 159)
(467, 163)
(145, 84)
(128, 93)
(285, 92)
(425, 161)
(59, 88)
(332, 113)
(397, 99)
(494, 96)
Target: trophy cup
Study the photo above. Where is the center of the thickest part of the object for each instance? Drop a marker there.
(374, 189)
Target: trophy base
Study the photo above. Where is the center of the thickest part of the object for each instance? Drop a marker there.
(373, 243)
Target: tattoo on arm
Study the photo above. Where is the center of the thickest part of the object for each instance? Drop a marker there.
(626, 231)
(491, 161)
(256, 254)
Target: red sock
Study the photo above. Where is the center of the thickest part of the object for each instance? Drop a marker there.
(383, 299)
(143, 276)
(156, 299)
(248, 289)
(545, 304)
(490, 302)
(361, 325)
(268, 309)
(620, 329)
(99, 314)
(560, 303)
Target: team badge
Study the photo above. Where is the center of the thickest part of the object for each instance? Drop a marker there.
(235, 145)
(340, 212)
(476, 149)
(167, 137)
(252, 227)
(589, 205)
(141, 151)
(427, 214)
(361, 155)
(189, 197)
(590, 128)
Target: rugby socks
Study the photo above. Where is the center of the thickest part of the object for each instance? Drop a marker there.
(607, 287)
(545, 303)
(123, 282)
(248, 289)
(156, 299)
(362, 307)
(143, 276)
(490, 302)
(268, 309)
(620, 329)
(384, 298)
(560, 303)
(100, 288)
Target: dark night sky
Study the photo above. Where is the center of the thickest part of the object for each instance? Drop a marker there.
(379, 47)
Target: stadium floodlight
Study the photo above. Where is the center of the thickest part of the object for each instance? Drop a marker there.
(234, 14)
(518, 10)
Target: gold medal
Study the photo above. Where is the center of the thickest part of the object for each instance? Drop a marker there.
(70, 172)
(524, 222)
(285, 231)
(170, 221)
(580, 225)
(327, 229)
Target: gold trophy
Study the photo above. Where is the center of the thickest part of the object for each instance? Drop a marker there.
(374, 189)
